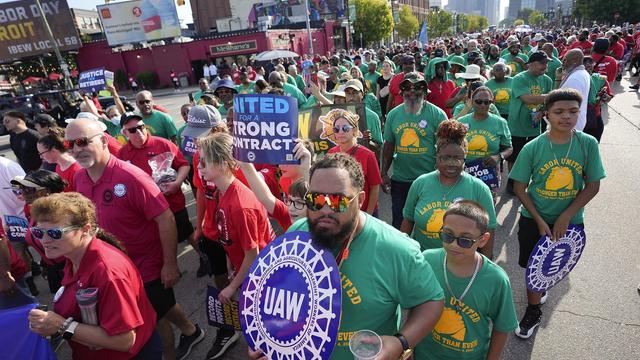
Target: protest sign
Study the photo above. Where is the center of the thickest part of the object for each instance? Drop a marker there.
(95, 80)
(290, 301)
(316, 124)
(221, 315)
(264, 127)
(488, 174)
(16, 228)
(551, 261)
(188, 146)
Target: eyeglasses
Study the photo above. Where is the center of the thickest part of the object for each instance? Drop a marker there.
(483, 102)
(344, 128)
(298, 205)
(463, 242)
(81, 142)
(448, 159)
(44, 152)
(55, 233)
(24, 190)
(144, 102)
(135, 129)
(337, 202)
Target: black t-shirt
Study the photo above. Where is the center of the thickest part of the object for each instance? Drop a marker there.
(24, 146)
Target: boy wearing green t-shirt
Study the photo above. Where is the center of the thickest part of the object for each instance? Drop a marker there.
(555, 176)
(478, 311)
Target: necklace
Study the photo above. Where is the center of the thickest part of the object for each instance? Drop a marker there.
(445, 194)
(446, 281)
(554, 153)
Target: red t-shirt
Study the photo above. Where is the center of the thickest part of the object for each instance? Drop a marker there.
(584, 45)
(607, 67)
(394, 89)
(155, 146)
(17, 266)
(616, 50)
(113, 145)
(441, 91)
(68, 175)
(122, 302)
(281, 214)
(242, 223)
(127, 202)
(370, 169)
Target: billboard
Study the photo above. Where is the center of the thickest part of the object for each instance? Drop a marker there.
(22, 30)
(138, 21)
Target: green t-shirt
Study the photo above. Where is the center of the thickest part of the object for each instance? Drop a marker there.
(501, 93)
(372, 102)
(554, 53)
(488, 306)
(364, 68)
(414, 139)
(553, 186)
(291, 80)
(552, 65)
(223, 111)
(249, 89)
(597, 82)
(425, 206)
(373, 125)
(516, 68)
(293, 91)
(460, 106)
(376, 286)
(519, 112)
(486, 136)
(372, 80)
(160, 124)
(197, 95)
(300, 83)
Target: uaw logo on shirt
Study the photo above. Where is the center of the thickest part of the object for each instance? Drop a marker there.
(291, 300)
(451, 331)
(559, 179)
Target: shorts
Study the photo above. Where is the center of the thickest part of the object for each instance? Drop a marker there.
(185, 228)
(518, 143)
(528, 237)
(161, 299)
(216, 255)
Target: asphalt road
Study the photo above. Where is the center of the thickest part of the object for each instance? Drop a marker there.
(594, 313)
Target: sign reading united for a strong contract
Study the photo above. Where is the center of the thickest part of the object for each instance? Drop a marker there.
(23, 33)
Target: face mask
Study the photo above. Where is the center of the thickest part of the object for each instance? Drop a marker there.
(115, 120)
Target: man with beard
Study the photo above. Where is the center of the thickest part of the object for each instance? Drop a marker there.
(410, 137)
(224, 90)
(576, 78)
(158, 123)
(357, 240)
(382, 56)
(408, 63)
(494, 55)
(554, 63)
(516, 60)
(354, 93)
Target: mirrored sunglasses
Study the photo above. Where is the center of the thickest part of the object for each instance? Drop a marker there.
(337, 202)
(55, 233)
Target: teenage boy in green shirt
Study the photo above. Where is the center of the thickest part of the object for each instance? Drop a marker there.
(555, 176)
(478, 311)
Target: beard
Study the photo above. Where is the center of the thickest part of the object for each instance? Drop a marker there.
(327, 239)
(412, 104)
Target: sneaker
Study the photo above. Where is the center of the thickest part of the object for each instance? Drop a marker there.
(205, 268)
(529, 322)
(224, 340)
(544, 297)
(188, 342)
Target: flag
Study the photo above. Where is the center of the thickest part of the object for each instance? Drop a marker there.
(424, 37)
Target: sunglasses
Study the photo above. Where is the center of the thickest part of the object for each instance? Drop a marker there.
(414, 88)
(55, 233)
(343, 128)
(24, 190)
(298, 205)
(463, 242)
(337, 202)
(81, 142)
(144, 101)
(482, 102)
(135, 129)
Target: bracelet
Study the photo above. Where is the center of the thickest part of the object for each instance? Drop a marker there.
(65, 326)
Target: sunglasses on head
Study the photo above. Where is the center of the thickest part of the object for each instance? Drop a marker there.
(463, 242)
(482, 102)
(337, 202)
(81, 142)
(135, 129)
(344, 128)
(297, 204)
(55, 233)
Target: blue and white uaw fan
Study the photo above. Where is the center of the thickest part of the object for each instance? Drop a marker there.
(551, 261)
(291, 300)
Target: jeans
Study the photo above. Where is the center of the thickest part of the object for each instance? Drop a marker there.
(399, 192)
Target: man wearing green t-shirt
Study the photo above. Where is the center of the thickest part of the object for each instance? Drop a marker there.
(555, 176)
(410, 137)
(293, 71)
(354, 93)
(246, 86)
(374, 287)
(554, 63)
(276, 80)
(224, 90)
(371, 78)
(157, 122)
(479, 311)
(516, 60)
(500, 86)
(528, 90)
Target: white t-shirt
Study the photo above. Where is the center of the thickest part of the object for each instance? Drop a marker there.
(213, 70)
(581, 81)
(205, 68)
(9, 203)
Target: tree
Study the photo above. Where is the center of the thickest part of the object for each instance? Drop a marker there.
(525, 13)
(439, 23)
(536, 18)
(373, 20)
(505, 23)
(408, 25)
(472, 23)
(518, 22)
(604, 11)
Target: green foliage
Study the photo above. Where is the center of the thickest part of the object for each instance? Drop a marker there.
(147, 79)
(472, 23)
(603, 11)
(120, 79)
(518, 22)
(373, 20)
(408, 25)
(439, 23)
(525, 13)
(536, 18)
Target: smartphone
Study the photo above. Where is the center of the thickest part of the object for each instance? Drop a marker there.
(191, 97)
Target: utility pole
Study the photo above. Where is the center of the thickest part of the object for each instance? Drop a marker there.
(310, 38)
(63, 65)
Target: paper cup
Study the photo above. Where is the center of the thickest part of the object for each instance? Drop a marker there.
(365, 345)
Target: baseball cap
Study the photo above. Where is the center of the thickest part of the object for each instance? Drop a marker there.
(29, 181)
(539, 56)
(408, 59)
(413, 77)
(90, 116)
(354, 84)
(201, 119)
(126, 117)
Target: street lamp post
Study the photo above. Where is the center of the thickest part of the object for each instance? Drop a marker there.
(309, 37)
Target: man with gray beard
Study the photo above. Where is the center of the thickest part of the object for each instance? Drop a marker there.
(409, 141)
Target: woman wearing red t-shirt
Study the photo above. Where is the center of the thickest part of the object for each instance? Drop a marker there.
(346, 134)
(51, 149)
(66, 226)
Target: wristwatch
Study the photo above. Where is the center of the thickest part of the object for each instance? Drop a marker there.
(406, 350)
(68, 333)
